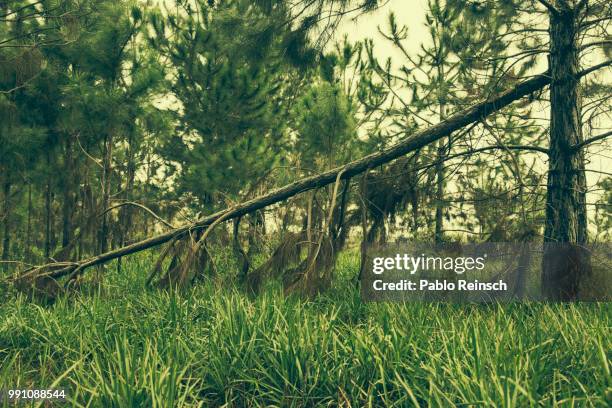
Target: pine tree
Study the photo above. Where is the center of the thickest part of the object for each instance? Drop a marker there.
(228, 78)
(111, 80)
(22, 135)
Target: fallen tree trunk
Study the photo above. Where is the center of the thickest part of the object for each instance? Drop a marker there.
(412, 143)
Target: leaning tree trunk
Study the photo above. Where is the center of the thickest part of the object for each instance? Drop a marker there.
(413, 143)
(566, 220)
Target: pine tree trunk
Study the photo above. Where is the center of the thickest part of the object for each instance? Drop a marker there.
(439, 232)
(106, 184)
(566, 217)
(439, 228)
(6, 241)
(48, 211)
(126, 213)
(439, 194)
(28, 245)
(88, 210)
(68, 207)
(54, 235)
(84, 224)
(145, 218)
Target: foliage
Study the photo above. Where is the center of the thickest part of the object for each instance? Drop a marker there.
(325, 127)
(230, 82)
(123, 345)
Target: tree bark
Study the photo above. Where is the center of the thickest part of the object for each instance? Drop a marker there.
(416, 141)
(48, 210)
(239, 253)
(439, 231)
(6, 240)
(565, 261)
(106, 185)
(441, 153)
(28, 244)
(68, 207)
(126, 212)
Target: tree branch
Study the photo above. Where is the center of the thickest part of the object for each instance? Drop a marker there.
(135, 204)
(594, 68)
(470, 152)
(594, 21)
(549, 6)
(594, 139)
(595, 44)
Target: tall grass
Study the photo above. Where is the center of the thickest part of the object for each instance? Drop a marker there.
(125, 345)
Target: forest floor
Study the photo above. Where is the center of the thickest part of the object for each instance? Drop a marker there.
(123, 345)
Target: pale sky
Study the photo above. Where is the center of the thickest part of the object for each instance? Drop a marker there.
(407, 12)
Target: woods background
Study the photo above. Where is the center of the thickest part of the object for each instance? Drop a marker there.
(124, 120)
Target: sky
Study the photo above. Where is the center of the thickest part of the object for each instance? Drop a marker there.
(408, 12)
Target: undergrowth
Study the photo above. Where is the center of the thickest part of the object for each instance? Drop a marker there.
(123, 345)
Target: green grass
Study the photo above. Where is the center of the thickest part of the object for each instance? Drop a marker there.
(127, 346)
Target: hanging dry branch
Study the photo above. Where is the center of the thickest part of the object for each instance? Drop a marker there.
(319, 263)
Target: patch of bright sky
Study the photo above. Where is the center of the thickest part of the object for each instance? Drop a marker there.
(407, 12)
